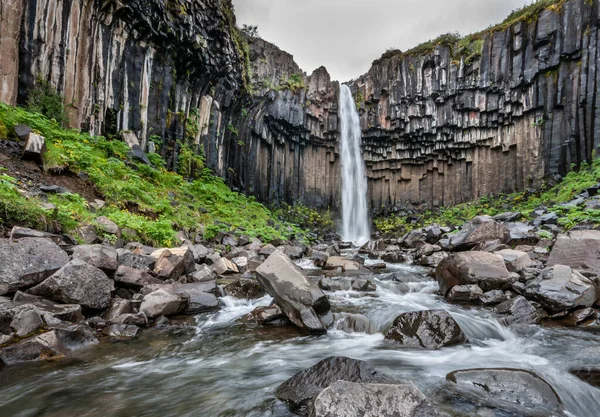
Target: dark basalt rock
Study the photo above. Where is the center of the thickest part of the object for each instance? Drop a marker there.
(426, 330)
(510, 389)
(300, 390)
(589, 374)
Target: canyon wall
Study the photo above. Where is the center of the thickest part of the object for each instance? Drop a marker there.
(437, 129)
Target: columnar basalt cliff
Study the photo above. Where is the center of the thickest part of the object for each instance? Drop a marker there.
(438, 128)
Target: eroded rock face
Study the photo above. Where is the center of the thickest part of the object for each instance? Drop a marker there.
(431, 329)
(77, 283)
(300, 390)
(28, 262)
(512, 389)
(301, 300)
(478, 268)
(371, 400)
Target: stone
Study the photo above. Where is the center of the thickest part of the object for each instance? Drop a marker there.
(225, 267)
(241, 262)
(481, 268)
(394, 257)
(294, 252)
(434, 259)
(522, 234)
(589, 374)
(163, 302)
(267, 315)
(299, 391)
(169, 265)
(138, 319)
(300, 299)
(548, 218)
(354, 323)
(203, 273)
(515, 260)
(26, 321)
(77, 283)
(480, 229)
(464, 294)
(34, 148)
(87, 234)
(560, 288)
(371, 400)
(130, 259)
(363, 285)
(244, 289)
(118, 306)
(517, 310)
(509, 389)
(65, 242)
(346, 265)
(100, 256)
(229, 240)
(107, 226)
(431, 329)
(507, 217)
(267, 250)
(340, 284)
(50, 310)
(130, 138)
(427, 250)
(134, 278)
(28, 262)
(319, 258)
(493, 297)
(121, 330)
(579, 249)
(200, 296)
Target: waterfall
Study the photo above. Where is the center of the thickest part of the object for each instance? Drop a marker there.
(355, 218)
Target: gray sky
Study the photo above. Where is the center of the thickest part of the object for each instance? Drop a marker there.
(347, 35)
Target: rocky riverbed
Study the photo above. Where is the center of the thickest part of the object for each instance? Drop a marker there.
(488, 320)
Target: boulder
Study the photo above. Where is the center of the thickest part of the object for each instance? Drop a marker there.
(303, 302)
(121, 330)
(431, 329)
(579, 249)
(241, 262)
(494, 297)
(394, 257)
(510, 389)
(134, 260)
(100, 256)
(363, 285)
(267, 315)
(203, 273)
(244, 289)
(134, 278)
(163, 302)
(517, 310)
(107, 226)
(77, 283)
(267, 250)
(199, 295)
(515, 260)
(480, 229)
(346, 265)
(34, 148)
(64, 241)
(319, 258)
(225, 267)
(171, 266)
(344, 398)
(294, 252)
(299, 391)
(26, 321)
(464, 294)
(560, 288)
(118, 306)
(330, 284)
(481, 268)
(522, 234)
(28, 262)
(434, 259)
(48, 309)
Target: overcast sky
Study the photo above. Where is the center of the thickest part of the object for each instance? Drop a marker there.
(347, 35)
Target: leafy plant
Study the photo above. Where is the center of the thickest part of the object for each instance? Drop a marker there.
(44, 99)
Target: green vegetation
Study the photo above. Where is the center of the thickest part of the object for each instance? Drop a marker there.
(152, 201)
(293, 82)
(470, 47)
(44, 99)
(571, 185)
(306, 218)
(238, 36)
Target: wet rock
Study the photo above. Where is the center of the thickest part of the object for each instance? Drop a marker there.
(427, 250)
(464, 294)
(121, 330)
(28, 262)
(118, 306)
(589, 374)
(225, 267)
(515, 260)
(134, 278)
(480, 229)
(494, 297)
(299, 391)
(130, 259)
(363, 285)
(100, 256)
(354, 323)
(340, 284)
(138, 319)
(77, 283)
(300, 299)
(26, 321)
(371, 400)
(245, 289)
(517, 310)
(434, 259)
(579, 249)
(560, 288)
(413, 240)
(431, 329)
(319, 258)
(200, 296)
(509, 389)
(395, 257)
(335, 262)
(480, 268)
(267, 315)
(163, 302)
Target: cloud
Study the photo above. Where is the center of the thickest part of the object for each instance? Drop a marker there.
(347, 35)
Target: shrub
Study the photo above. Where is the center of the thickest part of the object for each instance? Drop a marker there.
(44, 99)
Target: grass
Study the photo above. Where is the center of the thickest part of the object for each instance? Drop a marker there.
(470, 47)
(152, 201)
(525, 202)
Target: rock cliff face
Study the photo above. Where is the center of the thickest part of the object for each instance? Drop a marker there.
(437, 130)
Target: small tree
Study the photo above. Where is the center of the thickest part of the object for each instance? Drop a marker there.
(250, 30)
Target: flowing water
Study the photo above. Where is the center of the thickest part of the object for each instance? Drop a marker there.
(217, 366)
(355, 217)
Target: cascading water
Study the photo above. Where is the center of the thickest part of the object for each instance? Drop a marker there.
(355, 218)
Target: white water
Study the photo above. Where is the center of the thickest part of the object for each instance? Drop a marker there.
(355, 218)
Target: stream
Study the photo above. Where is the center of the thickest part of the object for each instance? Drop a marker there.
(214, 365)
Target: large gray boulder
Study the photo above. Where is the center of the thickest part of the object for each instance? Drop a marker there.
(77, 283)
(579, 249)
(100, 256)
(28, 262)
(300, 390)
(302, 301)
(517, 310)
(351, 399)
(163, 302)
(561, 288)
(480, 229)
(134, 260)
(510, 389)
(431, 329)
(134, 278)
(473, 268)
